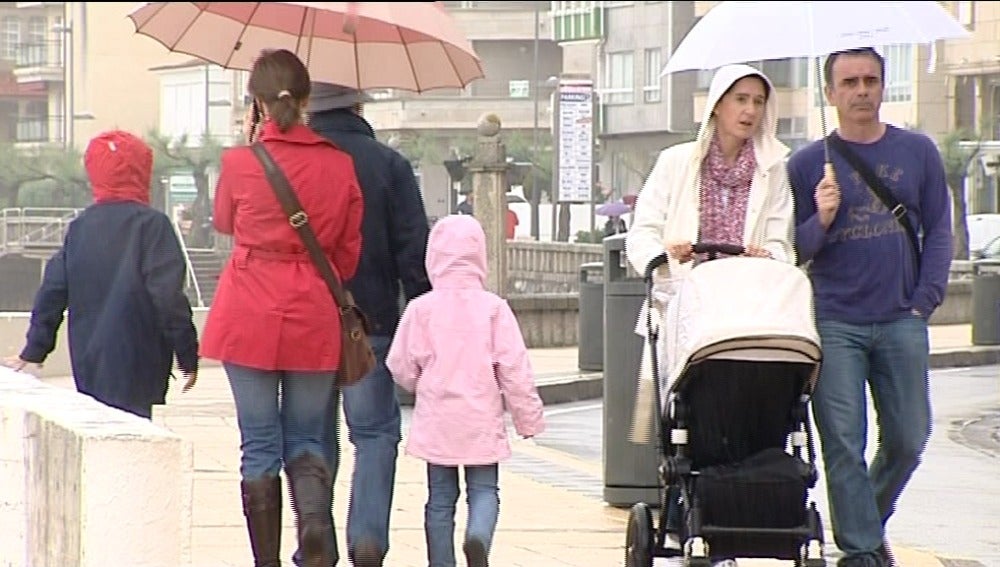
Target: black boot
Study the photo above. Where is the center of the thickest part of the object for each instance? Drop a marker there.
(310, 482)
(262, 509)
(366, 554)
(475, 553)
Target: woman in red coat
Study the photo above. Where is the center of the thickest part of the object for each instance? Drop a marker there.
(273, 323)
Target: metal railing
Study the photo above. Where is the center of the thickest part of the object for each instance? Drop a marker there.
(39, 128)
(192, 277)
(47, 53)
(34, 226)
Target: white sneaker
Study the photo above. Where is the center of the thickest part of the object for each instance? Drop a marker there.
(677, 561)
(725, 563)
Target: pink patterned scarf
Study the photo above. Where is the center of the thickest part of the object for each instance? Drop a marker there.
(724, 192)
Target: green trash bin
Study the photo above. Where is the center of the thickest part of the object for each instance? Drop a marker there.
(630, 469)
(590, 330)
(985, 307)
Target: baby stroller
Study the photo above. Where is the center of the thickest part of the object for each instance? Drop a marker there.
(742, 358)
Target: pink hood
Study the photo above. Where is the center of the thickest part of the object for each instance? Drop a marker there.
(456, 253)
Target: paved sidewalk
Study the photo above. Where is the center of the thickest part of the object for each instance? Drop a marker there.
(541, 524)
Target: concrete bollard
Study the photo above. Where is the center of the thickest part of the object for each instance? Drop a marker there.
(86, 485)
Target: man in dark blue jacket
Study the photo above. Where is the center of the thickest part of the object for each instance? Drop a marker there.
(394, 240)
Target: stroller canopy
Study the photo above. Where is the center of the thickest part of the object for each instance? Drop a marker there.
(741, 309)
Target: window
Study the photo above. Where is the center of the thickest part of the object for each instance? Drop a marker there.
(783, 73)
(793, 127)
(182, 110)
(37, 32)
(899, 76)
(519, 89)
(651, 91)
(786, 73)
(35, 51)
(704, 80)
(966, 13)
(619, 78)
(10, 37)
(577, 21)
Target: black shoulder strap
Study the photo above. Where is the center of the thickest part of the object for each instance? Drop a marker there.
(878, 187)
(299, 221)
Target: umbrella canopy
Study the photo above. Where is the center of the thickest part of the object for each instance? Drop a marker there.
(737, 32)
(615, 209)
(414, 46)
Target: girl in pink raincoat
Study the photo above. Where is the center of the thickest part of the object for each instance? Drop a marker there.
(459, 349)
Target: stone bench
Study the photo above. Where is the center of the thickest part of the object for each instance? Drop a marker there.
(86, 485)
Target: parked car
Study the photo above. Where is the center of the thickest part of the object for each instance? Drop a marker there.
(983, 230)
(990, 254)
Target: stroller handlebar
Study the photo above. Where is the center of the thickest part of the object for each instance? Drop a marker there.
(715, 248)
(712, 249)
(656, 262)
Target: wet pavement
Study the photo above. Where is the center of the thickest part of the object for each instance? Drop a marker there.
(950, 509)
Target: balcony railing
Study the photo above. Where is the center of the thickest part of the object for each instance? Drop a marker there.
(47, 53)
(39, 128)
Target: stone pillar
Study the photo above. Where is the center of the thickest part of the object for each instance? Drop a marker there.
(489, 187)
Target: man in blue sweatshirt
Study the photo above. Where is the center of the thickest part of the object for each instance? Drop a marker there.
(873, 295)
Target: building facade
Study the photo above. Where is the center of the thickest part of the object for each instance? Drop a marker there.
(625, 44)
(972, 66)
(439, 125)
(32, 74)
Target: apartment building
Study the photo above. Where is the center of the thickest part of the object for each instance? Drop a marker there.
(434, 126)
(624, 45)
(94, 71)
(914, 90)
(32, 78)
(972, 66)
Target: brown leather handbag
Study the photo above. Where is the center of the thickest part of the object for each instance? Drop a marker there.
(356, 356)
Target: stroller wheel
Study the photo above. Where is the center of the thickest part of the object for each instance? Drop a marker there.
(639, 537)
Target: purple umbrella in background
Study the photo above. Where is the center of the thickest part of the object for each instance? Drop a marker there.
(615, 209)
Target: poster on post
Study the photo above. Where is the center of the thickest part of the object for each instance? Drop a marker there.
(575, 124)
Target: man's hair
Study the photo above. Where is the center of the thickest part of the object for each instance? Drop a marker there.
(870, 52)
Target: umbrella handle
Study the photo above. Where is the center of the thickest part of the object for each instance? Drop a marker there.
(829, 173)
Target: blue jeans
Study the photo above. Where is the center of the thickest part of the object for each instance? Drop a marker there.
(439, 513)
(892, 358)
(277, 430)
(373, 420)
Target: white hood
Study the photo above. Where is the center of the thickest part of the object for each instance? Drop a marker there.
(767, 147)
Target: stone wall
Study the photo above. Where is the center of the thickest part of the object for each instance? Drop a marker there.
(547, 267)
(86, 485)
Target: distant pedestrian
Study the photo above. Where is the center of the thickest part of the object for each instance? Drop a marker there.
(465, 207)
(459, 349)
(120, 276)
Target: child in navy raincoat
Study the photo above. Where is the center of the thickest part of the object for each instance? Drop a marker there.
(120, 276)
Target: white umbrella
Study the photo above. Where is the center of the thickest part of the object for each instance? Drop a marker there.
(738, 32)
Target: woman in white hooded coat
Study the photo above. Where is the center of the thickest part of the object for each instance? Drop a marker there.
(728, 186)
